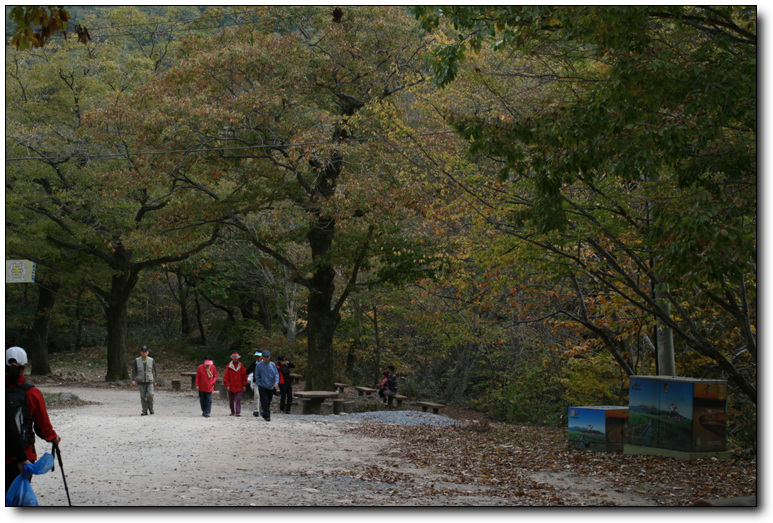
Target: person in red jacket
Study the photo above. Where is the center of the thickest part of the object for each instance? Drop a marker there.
(235, 380)
(206, 377)
(34, 419)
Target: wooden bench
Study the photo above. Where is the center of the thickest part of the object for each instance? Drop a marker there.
(364, 391)
(429, 405)
(398, 397)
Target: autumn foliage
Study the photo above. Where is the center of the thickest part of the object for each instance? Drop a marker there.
(518, 206)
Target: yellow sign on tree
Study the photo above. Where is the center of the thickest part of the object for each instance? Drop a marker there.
(19, 271)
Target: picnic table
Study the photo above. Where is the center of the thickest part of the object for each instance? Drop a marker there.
(296, 378)
(312, 400)
(340, 387)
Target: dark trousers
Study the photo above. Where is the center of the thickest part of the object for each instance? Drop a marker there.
(383, 393)
(266, 395)
(285, 397)
(205, 399)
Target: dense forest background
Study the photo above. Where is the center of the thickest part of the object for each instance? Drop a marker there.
(518, 207)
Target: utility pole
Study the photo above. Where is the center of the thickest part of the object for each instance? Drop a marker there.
(665, 340)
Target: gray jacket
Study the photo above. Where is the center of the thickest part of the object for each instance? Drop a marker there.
(144, 371)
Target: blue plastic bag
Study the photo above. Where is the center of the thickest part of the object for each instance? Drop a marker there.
(20, 493)
(41, 466)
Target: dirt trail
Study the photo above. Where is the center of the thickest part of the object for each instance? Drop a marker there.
(115, 457)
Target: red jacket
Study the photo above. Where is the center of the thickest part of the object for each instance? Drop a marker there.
(203, 382)
(39, 414)
(235, 380)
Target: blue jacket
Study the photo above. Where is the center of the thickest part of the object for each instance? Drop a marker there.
(266, 375)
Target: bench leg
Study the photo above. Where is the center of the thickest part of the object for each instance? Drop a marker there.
(424, 408)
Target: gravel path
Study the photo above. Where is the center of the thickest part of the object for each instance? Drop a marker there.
(115, 457)
(176, 458)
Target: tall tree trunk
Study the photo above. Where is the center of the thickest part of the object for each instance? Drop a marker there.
(116, 342)
(80, 320)
(466, 358)
(199, 320)
(357, 345)
(377, 375)
(117, 322)
(323, 318)
(186, 326)
(323, 321)
(38, 350)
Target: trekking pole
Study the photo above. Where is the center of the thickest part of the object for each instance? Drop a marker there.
(55, 450)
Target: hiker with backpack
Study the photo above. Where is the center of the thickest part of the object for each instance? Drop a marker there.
(28, 409)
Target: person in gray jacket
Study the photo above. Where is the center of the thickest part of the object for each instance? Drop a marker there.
(144, 376)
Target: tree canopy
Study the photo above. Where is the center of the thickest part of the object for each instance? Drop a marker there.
(639, 160)
(518, 206)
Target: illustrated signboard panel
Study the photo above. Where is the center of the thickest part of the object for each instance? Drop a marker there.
(677, 413)
(19, 271)
(599, 427)
(709, 418)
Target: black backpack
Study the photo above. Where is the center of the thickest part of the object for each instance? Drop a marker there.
(17, 400)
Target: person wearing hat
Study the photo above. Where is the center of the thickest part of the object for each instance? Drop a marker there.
(206, 377)
(235, 379)
(251, 369)
(28, 409)
(144, 376)
(267, 378)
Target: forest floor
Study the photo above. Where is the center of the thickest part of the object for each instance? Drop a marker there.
(115, 457)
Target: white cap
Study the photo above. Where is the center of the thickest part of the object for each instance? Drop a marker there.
(16, 353)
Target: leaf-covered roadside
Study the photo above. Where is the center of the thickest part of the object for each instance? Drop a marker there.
(501, 460)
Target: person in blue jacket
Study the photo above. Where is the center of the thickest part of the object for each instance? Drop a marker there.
(266, 377)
